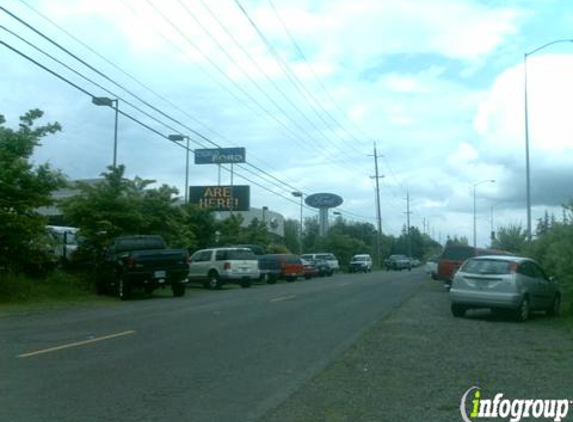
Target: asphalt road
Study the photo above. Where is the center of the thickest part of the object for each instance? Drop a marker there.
(230, 355)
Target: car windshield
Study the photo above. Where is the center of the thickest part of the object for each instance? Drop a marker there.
(360, 258)
(487, 266)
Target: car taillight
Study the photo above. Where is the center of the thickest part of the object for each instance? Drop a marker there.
(227, 266)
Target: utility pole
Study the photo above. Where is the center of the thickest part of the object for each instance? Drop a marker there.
(378, 214)
(408, 212)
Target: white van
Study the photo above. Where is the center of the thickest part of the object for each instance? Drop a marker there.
(328, 257)
(64, 240)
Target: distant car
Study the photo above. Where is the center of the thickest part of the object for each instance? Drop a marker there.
(360, 263)
(290, 266)
(65, 242)
(310, 269)
(328, 257)
(398, 262)
(217, 266)
(432, 267)
(322, 267)
(454, 256)
(499, 282)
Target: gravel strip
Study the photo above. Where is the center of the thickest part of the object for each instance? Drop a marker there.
(416, 364)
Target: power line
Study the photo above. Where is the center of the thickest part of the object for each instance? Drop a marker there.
(131, 77)
(132, 94)
(128, 116)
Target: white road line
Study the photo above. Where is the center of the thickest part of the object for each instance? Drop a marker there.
(75, 344)
(280, 299)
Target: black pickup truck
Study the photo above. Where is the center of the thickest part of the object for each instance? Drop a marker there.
(142, 262)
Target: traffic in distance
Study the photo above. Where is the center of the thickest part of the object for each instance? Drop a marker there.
(476, 278)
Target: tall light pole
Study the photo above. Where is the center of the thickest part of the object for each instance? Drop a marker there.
(475, 226)
(300, 195)
(179, 138)
(109, 102)
(527, 169)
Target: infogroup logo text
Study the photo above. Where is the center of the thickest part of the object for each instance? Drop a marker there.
(512, 409)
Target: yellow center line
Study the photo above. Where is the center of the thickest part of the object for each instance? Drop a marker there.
(75, 344)
(280, 299)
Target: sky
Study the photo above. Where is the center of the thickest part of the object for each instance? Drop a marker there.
(309, 88)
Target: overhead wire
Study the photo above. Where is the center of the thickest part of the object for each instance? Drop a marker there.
(133, 95)
(294, 80)
(134, 79)
(132, 118)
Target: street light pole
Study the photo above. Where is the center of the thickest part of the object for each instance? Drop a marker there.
(300, 195)
(110, 102)
(475, 224)
(527, 167)
(179, 138)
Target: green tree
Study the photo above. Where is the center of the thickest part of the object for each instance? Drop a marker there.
(291, 238)
(118, 206)
(511, 238)
(23, 189)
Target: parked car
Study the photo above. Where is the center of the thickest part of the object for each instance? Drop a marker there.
(432, 267)
(454, 256)
(291, 266)
(142, 261)
(64, 243)
(310, 269)
(511, 283)
(215, 267)
(316, 268)
(360, 263)
(269, 268)
(398, 262)
(328, 257)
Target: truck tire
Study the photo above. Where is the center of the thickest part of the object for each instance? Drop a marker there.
(123, 289)
(271, 278)
(178, 289)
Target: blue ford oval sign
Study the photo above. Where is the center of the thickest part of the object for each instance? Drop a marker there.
(323, 200)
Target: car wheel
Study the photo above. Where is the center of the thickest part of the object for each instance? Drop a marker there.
(123, 289)
(178, 289)
(271, 278)
(554, 309)
(522, 311)
(245, 284)
(458, 310)
(213, 282)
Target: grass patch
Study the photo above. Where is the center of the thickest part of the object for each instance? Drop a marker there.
(53, 287)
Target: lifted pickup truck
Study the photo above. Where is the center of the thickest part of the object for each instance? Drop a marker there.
(142, 262)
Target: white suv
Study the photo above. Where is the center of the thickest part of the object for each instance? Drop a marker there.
(328, 257)
(217, 266)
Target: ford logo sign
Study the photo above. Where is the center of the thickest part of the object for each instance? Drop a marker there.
(323, 200)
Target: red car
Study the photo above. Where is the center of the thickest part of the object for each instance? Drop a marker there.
(290, 266)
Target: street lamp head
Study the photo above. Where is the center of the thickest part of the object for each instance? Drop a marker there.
(177, 137)
(103, 101)
(297, 194)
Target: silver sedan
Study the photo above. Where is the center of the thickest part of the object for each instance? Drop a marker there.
(504, 282)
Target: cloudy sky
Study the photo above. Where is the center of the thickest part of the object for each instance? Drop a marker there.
(307, 87)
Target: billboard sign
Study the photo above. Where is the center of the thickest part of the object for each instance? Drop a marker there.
(323, 200)
(220, 155)
(221, 198)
